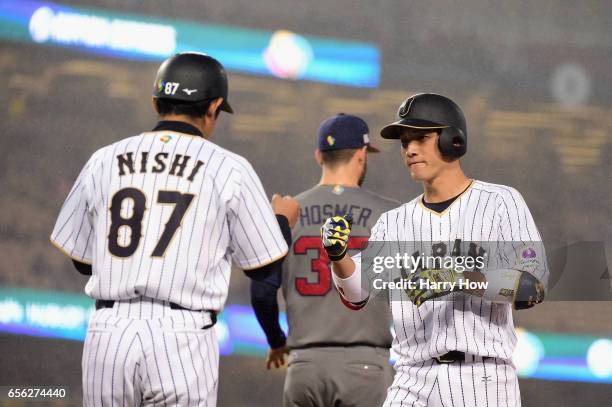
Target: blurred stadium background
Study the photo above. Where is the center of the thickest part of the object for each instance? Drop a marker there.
(534, 79)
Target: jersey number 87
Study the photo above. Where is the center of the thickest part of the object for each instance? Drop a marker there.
(181, 204)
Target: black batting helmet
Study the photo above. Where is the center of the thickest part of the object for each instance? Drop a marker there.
(435, 112)
(192, 77)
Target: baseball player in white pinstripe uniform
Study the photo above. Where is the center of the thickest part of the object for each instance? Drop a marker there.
(156, 220)
(454, 341)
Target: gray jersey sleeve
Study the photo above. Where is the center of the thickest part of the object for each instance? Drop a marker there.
(256, 238)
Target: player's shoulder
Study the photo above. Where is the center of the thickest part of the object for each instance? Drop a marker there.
(501, 192)
(209, 148)
(400, 211)
(304, 196)
(234, 163)
(356, 195)
(118, 146)
(381, 200)
(98, 157)
(498, 189)
(234, 160)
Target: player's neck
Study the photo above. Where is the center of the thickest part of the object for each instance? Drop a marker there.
(339, 176)
(197, 123)
(445, 186)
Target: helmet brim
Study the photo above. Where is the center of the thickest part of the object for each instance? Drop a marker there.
(225, 106)
(395, 129)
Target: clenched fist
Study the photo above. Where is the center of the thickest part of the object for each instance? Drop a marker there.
(335, 233)
(287, 206)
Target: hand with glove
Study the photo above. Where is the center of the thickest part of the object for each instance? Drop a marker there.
(433, 283)
(335, 234)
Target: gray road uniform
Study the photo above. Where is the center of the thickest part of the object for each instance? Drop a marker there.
(338, 357)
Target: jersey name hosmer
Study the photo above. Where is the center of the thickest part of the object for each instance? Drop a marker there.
(316, 214)
(179, 165)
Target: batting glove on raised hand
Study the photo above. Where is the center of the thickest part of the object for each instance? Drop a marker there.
(439, 284)
(334, 236)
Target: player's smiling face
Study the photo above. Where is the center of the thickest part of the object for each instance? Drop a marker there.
(421, 154)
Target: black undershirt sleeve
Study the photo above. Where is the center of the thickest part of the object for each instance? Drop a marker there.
(82, 268)
(265, 282)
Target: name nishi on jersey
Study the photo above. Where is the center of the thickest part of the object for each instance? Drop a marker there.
(178, 165)
(316, 214)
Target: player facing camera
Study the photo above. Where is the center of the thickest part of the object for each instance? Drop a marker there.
(433, 135)
(453, 208)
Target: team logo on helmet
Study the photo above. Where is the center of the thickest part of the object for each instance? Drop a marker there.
(405, 107)
(160, 85)
(331, 140)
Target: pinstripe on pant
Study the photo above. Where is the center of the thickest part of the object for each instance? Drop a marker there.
(489, 383)
(163, 360)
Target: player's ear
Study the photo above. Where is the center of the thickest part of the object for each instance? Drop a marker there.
(362, 153)
(154, 104)
(318, 157)
(213, 107)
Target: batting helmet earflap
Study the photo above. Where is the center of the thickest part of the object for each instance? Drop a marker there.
(192, 77)
(436, 112)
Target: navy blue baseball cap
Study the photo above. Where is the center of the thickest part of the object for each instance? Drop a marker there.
(344, 131)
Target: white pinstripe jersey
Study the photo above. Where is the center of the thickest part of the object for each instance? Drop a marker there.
(162, 215)
(459, 321)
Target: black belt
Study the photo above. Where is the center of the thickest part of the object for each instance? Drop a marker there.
(458, 356)
(213, 314)
(110, 303)
(338, 345)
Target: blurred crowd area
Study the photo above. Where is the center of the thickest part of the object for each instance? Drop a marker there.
(531, 125)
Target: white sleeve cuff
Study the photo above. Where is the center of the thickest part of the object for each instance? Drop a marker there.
(351, 287)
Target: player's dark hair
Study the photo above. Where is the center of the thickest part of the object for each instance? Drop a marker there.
(337, 157)
(167, 107)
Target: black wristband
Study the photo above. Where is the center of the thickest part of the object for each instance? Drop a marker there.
(277, 341)
(82, 268)
(283, 223)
